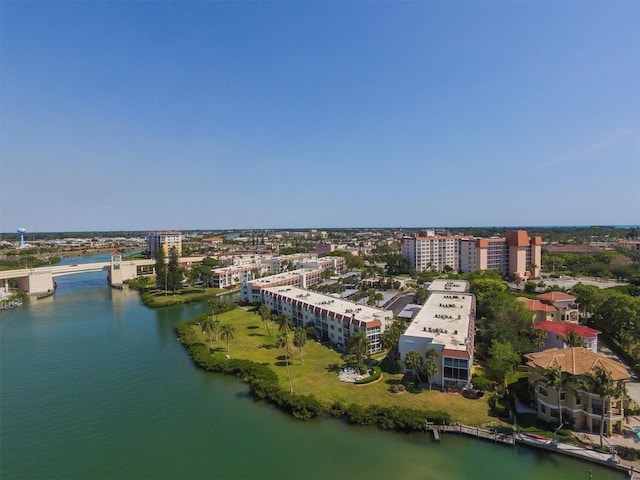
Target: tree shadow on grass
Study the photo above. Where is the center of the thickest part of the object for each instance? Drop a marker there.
(268, 346)
(256, 335)
(252, 327)
(334, 368)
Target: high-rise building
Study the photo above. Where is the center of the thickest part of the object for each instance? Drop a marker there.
(165, 240)
(515, 255)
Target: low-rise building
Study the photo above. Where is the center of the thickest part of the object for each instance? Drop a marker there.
(585, 407)
(446, 323)
(557, 333)
(334, 319)
(251, 290)
(227, 277)
(552, 307)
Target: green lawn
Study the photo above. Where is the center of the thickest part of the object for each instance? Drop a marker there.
(318, 373)
(160, 298)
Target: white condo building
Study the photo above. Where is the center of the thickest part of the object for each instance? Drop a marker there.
(333, 318)
(445, 323)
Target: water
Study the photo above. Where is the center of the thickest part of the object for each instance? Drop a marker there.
(95, 385)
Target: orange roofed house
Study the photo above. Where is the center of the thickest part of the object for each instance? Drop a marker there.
(585, 407)
(557, 332)
(552, 307)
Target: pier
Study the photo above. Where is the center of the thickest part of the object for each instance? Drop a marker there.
(536, 441)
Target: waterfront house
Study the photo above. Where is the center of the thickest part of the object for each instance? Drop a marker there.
(577, 365)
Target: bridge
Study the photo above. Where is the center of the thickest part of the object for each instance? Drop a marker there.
(37, 281)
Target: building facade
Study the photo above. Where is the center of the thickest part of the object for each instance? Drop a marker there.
(446, 323)
(334, 319)
(251, 291)
(165, 241)
(585, 407)
(516, 254)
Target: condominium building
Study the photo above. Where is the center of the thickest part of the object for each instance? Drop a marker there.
(334, 319)
(428, 251)
(445, 323)
(516, 254)
(230, 276)
(585, 407)
(251, 291)
(164, 240)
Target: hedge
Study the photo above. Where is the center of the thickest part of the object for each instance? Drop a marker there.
(263, 383)
(377, 373)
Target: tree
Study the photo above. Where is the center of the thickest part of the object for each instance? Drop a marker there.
(265, 313)
(603, 385)
(421, 295)
(208, 326)
(552, 377)
(539, 338)
(284, 323)
(284, 343)
(431, 364)
(502, 359)
(161, 270)
(227, 331)
(299, 340)
(358, 346)
(174, 273)
(414, 361)
(572, 339)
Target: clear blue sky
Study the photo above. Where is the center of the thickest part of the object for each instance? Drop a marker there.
(206, 115)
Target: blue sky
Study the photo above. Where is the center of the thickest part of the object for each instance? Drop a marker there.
(207, 115)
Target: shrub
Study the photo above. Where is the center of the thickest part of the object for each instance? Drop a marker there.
(480, 382)
(377, 373)
(393, 389)
(629, 453)
(402, 388)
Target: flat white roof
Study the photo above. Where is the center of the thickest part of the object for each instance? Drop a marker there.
(445, 319)
(281, 276)
(446, 285)
(363, 313)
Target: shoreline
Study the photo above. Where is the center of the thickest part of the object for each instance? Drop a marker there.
(347, 413)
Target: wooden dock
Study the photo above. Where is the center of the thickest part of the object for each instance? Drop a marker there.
(491, 435)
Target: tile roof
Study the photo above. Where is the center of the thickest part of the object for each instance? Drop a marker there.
(556, 296)
(577, 361)
(563, 328)
(537, 305)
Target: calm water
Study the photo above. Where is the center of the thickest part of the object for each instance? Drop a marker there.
(94, 385)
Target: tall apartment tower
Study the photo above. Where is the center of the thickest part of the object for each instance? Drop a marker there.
(164, 240)
(516, 254)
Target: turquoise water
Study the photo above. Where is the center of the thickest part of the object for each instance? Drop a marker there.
(94, 385)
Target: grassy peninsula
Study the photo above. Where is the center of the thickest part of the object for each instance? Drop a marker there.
(314, 378)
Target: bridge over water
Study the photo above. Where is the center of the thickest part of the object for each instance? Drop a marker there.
(37, 281)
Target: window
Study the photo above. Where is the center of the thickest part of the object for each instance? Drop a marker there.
(578, 399)
(542, 391)
(543, 409)
(562, 396)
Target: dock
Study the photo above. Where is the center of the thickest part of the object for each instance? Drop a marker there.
(535, 441)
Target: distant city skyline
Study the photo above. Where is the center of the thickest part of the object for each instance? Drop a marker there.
(138, 116)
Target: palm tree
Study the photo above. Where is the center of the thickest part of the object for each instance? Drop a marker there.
(430, 364)
(414, 361)
(572, 339)
(358, 346)
(552, 377)
(539, 338)
(284, 343)
(284, 322)
(227, 331)
(603, 385)
(299, 339)
(265, 313)
(208, 326)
